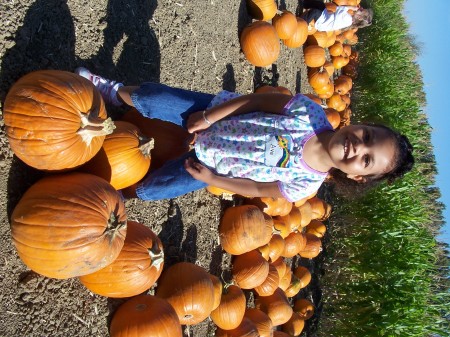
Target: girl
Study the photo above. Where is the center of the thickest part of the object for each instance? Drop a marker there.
(267, 145)
(342, 18)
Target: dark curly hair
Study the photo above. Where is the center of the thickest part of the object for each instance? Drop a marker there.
(403, 163)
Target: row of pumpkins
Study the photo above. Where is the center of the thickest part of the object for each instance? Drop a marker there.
(74, 224)
(260, 40)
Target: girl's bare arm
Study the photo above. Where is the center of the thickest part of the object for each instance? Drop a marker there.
(240, 186)
(267, 102)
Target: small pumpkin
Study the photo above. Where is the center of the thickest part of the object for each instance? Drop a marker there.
(276, 306)
(262, 9)
(303, 275)
(317, 228)
(272, 206)
(244, 228)
(320, 209)
(285, 24)
(124, 158)
(218, 288)
(247, 328)
(270, 283)
(136, 269)
(293, 243)
(294, 326)
(273, 250)
(314, 56)
(230, 312)
(318, 77)
(145, 315)
(260, 43)
(312, 248)
(55, 120)
(261, 320)
(336, 49)
(333, 117)
(69, 225)
(300, 35)
(250, 269)
(304, 308)
(189, 290)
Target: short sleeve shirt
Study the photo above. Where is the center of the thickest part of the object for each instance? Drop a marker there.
(340, 19)
(265, 147)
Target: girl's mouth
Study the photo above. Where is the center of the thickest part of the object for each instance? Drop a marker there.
(346, 147)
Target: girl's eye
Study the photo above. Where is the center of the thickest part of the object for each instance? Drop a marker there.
(366, 160)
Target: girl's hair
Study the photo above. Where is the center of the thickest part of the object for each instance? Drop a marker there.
(403, 163)
(362, 18)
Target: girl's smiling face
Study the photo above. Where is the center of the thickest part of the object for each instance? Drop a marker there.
(362, 150)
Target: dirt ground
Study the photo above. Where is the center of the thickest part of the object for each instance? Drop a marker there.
(189, 44)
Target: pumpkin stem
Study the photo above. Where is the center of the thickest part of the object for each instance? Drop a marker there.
(94, 127)
(146, 145)
(114, 225)
(157, 257)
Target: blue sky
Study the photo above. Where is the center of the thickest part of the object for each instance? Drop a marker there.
(430, 24)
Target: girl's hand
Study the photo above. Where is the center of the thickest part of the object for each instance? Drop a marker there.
(196, 122)
(198, 171)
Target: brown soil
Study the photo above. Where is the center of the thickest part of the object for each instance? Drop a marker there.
(189, 44)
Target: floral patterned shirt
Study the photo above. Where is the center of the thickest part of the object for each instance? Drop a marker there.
(265, 147)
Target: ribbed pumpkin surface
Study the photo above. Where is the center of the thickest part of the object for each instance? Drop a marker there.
(145, 315)
(69, 225)
(260, 43)
(55, 119)
(135, 270)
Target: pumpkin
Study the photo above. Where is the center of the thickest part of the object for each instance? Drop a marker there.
(272, 251)
(69, 225)
(260, 43)
(171, 141)
(250, 269)
(294, 287)
(276, 306)
(325, 92)
(219, 191)
(314, 56)
(336, 102)
(135, 270)
(317, 228)
(303, 276)
(312, 248)
(307, 213)
(286, 279)
(190, 291)
(270, 283)
(329, 67)
(333, 117)
(261, 320)
(343, 84)
(124, 158)
(294, 326)
(271, 206)
(285, 24)
(280, 265)
(300, 35)
(292, 220)
(312, 27)
(318, 77)
(262, 9)
(247, 328)
(339, 61)
(293, 243)
(244, 228)
(304, 308)
(322, 39)
(320, 209)
(336, 49)
(230, 312)
(55, 119)
(145, 315)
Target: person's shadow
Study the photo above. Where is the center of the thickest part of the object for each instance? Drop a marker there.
(46, 40)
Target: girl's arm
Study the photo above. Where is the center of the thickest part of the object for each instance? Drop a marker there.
(240, 186)
(267, 102)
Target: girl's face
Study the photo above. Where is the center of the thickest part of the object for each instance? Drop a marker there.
(362, 150)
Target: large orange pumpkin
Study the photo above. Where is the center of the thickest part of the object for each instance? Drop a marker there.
(124, 158)
(244, 228)
(190, 291)
(135, 270)
(314, 56)
(145, 315)
(260, 43)
(250, 269)
(285, 23)
(276, 306)
(69, 225)
(261, 320)
(55, 119)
